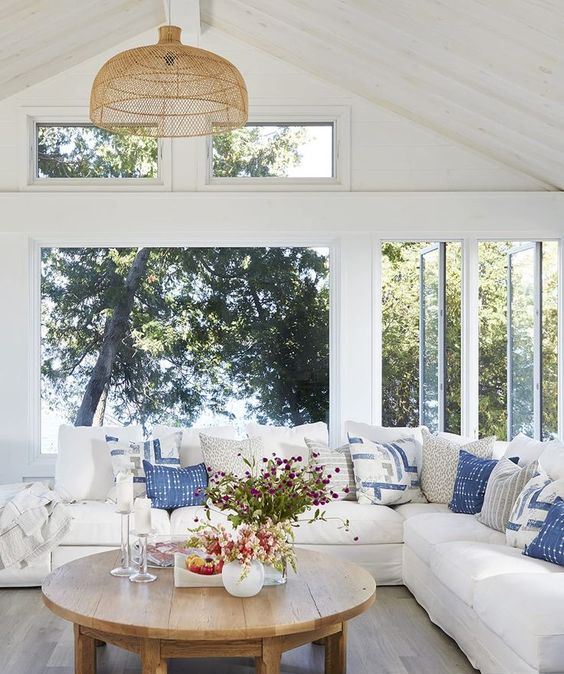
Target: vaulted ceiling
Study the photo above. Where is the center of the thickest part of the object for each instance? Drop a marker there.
(41, 38)
(486, 73)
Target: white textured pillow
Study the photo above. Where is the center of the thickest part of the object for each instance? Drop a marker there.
(385, 474)
(524, 447)
(552, 459)
(530, 510)
(440, 461)
(191, 449)
(228, 456)
(84, 470)
(385, 434)
(287, 442)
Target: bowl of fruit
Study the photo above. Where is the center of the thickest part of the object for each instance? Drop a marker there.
(197, 569)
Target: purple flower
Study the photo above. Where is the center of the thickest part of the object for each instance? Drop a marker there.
(264, 459)
(355, 539)
(337, 469)
(299, 459)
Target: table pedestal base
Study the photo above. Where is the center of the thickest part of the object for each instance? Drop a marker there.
(267, 652)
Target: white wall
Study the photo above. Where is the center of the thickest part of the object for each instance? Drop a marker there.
(389, 152)
(351, 223)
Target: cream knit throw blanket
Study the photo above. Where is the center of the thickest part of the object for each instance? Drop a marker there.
(33, 521)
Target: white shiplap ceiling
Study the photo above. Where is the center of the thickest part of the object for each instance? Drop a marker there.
(486, 73)
(41, 38)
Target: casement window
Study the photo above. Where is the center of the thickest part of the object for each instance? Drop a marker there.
(516, 323)
(518, 319)
(421, 336)
(212, 335)
(275, 151)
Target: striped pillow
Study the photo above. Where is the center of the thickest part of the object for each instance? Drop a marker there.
(504, 486)
(337, 463)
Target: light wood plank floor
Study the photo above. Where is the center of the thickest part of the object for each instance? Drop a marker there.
(394, 637)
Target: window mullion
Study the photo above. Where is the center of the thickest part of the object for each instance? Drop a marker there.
(470, 338)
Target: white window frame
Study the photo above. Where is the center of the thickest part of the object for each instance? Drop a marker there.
(339, 116)
(44, 462)
(32, 117)
(470, 372)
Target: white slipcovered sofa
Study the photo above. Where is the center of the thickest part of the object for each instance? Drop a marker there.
(505, 610)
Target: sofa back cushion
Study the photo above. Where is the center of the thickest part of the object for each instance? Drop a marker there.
(83, 469)
(190, 447)
(286, 442)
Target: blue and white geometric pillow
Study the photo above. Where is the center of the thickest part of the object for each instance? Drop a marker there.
(530, 509)
(386, 473)
(127, 457)
(549, 543)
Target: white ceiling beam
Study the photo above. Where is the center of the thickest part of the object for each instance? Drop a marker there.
(186, 14)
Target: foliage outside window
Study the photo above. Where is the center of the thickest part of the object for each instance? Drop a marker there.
(78, 151)
(495, 258)
(183, 336)
(410, 313)
(274, 151)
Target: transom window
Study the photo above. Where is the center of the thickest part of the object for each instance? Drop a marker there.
(275, 150)
(78, 151)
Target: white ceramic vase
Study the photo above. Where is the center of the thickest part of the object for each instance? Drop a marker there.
(248, 586)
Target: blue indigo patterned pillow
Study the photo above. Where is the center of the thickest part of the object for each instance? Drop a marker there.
(549, 543)
(385, 473)
(176, 487)
(472, 477)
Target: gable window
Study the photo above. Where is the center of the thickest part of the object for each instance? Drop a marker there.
(64, 152)
(301, 150)
(275, 150)
(208, 335)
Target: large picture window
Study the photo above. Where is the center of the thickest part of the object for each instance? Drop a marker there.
(183, 335)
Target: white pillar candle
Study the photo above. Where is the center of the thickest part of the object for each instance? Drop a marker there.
(124, 493)
(143, 516)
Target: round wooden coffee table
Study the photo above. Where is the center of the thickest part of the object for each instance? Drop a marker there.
(159, 621)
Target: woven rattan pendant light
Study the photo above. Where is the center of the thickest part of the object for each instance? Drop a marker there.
(168, 90)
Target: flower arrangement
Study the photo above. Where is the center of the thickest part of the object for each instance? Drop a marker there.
(275, 490)
(267, 543)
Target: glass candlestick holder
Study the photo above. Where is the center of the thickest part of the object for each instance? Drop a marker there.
(142, 576)
(127, 568)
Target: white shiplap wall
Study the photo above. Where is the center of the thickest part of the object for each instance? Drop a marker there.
(388, 151)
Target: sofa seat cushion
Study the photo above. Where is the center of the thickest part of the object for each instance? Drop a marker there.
(527, 612)
(371, 523)
(461, 564)
(423, 532)
(409, 510)
(98, 523)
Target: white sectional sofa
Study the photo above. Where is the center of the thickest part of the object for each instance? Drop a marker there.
(505, 610)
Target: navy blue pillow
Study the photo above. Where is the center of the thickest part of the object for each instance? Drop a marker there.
(472, 477)
(549, 543)
(176, 487)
